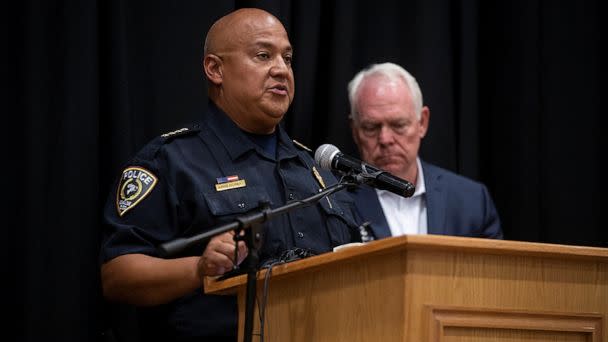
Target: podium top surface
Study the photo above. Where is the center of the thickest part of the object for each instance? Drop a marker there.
(415, 243)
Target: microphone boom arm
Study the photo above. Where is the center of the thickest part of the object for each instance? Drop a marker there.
(173, 247)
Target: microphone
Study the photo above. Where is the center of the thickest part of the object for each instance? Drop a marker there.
(330, 158)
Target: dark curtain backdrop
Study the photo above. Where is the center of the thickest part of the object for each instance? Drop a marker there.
(514, 88)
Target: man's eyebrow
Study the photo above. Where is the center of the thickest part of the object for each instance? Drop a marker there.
(370, 123)
(269, 45)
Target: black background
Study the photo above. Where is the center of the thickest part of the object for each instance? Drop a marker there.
(514, 89)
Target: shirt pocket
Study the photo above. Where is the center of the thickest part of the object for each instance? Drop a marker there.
(233, 202)
(342, 223)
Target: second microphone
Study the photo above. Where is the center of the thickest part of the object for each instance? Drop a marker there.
(330, 158)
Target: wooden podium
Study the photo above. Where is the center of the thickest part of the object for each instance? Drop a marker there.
(435, 288)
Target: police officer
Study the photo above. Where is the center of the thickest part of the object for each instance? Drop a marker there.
(198, 177)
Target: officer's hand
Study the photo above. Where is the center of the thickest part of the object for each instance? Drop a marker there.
(218, 257)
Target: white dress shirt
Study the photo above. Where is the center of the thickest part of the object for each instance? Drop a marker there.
(406, 215)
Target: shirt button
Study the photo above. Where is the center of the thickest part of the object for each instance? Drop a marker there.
(300, 235)
(241, 205)
(291, 196)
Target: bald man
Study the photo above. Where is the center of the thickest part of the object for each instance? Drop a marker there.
(195, 178)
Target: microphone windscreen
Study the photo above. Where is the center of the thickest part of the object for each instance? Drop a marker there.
(325, 154)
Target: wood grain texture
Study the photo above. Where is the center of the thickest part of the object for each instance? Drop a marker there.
(454, 323)
(390, 290)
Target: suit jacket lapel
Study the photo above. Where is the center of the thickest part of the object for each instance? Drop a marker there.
(368, 205)
(435, 200)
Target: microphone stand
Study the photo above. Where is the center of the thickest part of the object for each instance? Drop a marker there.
(253, 239)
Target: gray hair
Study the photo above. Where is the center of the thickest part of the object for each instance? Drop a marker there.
(392, 72)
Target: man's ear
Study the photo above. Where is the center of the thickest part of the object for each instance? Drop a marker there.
(425, 115)
(212, 66)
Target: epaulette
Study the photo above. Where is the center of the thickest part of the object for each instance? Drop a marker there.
(152, 148)
(300, 145)
(184, 131)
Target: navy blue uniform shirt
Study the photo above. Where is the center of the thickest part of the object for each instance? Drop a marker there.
(196, 178)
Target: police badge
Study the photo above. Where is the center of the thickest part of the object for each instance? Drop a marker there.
(135, 184)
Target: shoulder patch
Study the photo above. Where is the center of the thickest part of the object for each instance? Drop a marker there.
(302, 146)
(180, 132)
(135, 184)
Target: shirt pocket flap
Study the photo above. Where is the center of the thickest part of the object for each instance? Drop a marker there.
(236, 201)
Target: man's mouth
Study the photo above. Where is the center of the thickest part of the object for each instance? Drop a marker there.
(385, 160)
(278, 89)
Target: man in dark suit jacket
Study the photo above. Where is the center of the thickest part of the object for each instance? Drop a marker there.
(388, 122)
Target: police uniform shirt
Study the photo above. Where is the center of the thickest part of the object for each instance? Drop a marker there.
(197, 178)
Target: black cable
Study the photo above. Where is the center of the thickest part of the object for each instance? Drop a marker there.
(262, 303)
(293, 254)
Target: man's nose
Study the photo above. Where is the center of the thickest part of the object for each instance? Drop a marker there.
(279, 67)
(386, 135)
